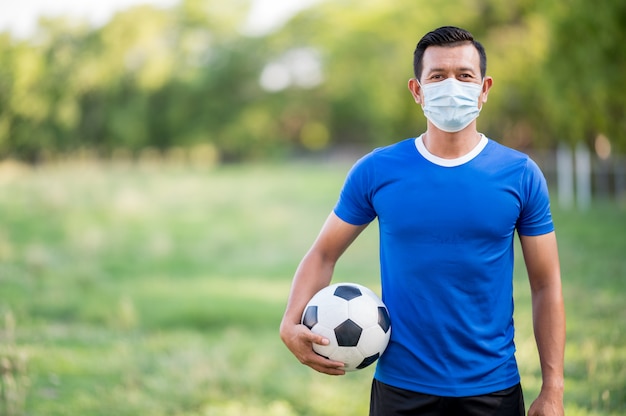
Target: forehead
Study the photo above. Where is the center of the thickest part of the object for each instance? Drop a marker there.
(450, 57)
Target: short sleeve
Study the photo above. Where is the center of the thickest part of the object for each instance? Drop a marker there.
(355, 200)
(535, 217)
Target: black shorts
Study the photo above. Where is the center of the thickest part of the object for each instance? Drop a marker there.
(391, 401)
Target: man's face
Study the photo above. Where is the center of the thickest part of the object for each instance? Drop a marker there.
(441, 62)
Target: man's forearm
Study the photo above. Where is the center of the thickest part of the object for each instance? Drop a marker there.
(549, 327)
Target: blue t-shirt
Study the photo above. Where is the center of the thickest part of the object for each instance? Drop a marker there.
(446, 254)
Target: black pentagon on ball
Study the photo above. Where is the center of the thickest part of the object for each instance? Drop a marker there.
(383, 319)
(310, 317)
(347, 292)
(368, 360)
(348, 334)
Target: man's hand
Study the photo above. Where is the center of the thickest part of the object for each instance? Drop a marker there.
(299, 339)
(549, 403)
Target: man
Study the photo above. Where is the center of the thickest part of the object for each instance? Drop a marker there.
(448, 205)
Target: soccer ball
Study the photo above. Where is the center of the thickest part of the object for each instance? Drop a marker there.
(355, 321)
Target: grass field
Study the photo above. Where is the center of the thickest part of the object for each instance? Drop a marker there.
(158, 290)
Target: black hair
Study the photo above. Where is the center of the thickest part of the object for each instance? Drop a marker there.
(447, 36)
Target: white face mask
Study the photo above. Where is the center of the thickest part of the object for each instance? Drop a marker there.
(451, 105)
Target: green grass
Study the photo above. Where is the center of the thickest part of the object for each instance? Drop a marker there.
(134, 290)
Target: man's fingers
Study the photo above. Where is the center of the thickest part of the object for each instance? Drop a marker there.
(314, 338)
(301, 344)
(319, 362)
(326, 366)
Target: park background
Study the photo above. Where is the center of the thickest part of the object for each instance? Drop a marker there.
(163, 172)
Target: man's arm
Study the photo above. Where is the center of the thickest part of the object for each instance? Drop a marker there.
(314, 273)
(542, 262)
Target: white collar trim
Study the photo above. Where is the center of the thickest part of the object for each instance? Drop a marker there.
(450, 163)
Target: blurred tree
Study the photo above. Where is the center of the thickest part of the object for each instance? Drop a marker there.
(584, 77)
(333, 75)
(24, 108)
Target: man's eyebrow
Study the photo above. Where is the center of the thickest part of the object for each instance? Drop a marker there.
(459, 69)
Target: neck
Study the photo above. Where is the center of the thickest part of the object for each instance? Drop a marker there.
(451, 145)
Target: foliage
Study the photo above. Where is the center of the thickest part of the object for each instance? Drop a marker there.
(586, 67)
(157, 289)
(333, 75)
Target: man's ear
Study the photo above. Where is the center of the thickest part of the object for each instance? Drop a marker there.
(416, 90)
(487, 84)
